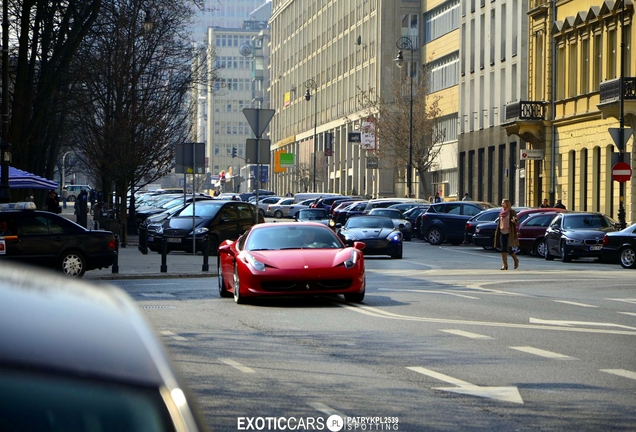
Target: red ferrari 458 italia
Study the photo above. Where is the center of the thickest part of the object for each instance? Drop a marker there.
(294, 259)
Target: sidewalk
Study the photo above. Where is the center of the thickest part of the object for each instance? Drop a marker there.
(135, 265)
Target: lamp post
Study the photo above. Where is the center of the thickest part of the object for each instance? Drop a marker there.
(310, 84)
(405, 43)
(5, 152)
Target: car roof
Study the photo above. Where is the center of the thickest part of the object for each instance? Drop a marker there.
(53, 323)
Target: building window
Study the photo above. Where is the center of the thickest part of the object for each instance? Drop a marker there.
(572, 65)
(441, 20)
(444, 72)
(585, 66)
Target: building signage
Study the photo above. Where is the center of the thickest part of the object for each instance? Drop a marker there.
(531, 154)
(328, 144)
(372, 162)
(367, 136)
(287, 159)
(354, 137)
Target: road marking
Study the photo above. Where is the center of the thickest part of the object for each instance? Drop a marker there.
(467, 334)
(626, 300)
(237, 365)
(543, 353)
(157, 295)
(429, 292)
(628, 313)
(575, 303)
(172, 335)
(325, 409)
(505, 394)
(379, 313)
(570, 323)
(621, 372)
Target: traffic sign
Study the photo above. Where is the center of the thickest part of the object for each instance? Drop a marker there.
(258, 119)
(615, 134)
(621, 172)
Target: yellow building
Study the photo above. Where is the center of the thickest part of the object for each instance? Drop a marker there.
(574, 77)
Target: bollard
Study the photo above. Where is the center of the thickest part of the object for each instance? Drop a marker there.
(164, 254)
(121, 232)
(143, 240)
(206, 253)
(115, 268)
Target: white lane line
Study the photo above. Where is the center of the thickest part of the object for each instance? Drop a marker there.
(543, 353)
(172, 335)
(575, 303)
(626, 300)
(237, 365)
(325, 409)
(466, 334)
(429, 292)
(505, 394)
(628, 313)
(578, 323)
(621, 372)
(157, 295)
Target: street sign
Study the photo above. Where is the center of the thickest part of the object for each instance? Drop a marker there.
(354, 137)
(531, 154)
(259, 119)
(615, 134)
(621, 172)
(257, 151)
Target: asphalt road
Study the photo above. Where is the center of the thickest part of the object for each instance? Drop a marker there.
(444, 341)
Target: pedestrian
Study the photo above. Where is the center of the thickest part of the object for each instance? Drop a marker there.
(506, 234)
(544, 204)
(467, 197)
(53, 203)
(81, 208)
(559, 204)
(288, 194)
(64, 196)
(438, 198)
(91, 198)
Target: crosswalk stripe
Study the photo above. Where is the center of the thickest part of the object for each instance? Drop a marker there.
(542, 353)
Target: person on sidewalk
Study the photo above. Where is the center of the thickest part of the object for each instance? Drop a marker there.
(81, 208)
(506, 234)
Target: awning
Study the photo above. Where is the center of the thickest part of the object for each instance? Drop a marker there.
(19, 179)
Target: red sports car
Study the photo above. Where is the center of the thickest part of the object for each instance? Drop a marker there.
(292, 259)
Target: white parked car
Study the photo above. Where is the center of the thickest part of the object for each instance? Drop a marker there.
(293, 209)
(279, 209)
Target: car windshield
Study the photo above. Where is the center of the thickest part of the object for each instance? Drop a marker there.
(394, 214)
(369, 222)
(300, 236)
(314, 214)
(208, 210)
(585, 221)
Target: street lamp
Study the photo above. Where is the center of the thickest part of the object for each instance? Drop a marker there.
(310, 84)
(5, 148)
(405, 43)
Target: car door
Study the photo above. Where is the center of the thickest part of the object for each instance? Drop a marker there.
(285, 204)
(226, 223)
(38, 244)
(553, 235)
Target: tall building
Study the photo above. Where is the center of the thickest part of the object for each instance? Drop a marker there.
(493, 70)
(326, 58)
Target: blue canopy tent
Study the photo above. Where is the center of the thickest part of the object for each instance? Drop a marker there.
(19, 179)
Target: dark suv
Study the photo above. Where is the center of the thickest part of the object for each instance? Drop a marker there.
(219, 219)
(447, 221)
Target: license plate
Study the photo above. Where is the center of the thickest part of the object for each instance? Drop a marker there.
(596, 247)
(173, 240)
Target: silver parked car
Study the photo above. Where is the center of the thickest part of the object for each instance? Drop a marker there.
(280, 209)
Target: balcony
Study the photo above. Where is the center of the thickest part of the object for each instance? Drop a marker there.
(525, 119)
(610, 96)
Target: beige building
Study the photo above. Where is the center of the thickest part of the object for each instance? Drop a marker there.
(336, 53)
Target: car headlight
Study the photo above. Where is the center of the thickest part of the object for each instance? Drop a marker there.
(201, 231)
(159, 230)
(254, 262)
(350, 237)
(477, 230)
(351, 262)
(395, 237)
(572, 241)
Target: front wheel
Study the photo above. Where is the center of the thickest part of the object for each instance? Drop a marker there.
(278, 214)
(223, 292)
(398, 254)
(354, 298)
(540, 248)
(73, 264)
(628, 257)
(547, 255)
(435, 236)
(564, 253)
(238, 298)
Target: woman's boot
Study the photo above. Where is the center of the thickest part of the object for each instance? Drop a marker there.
(504, 259)
(515, 259)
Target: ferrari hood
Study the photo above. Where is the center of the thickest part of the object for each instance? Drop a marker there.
(298, 259)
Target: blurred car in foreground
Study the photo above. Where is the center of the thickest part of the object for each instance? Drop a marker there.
(292, 259)
(620, 246)
(577, 235)
(396, 216)
(79, 357)
(46, 239)
(378, 233)
(314, 215)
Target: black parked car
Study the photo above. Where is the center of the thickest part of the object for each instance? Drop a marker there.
(354, 209)
(620, 246)
(481, 217)
(577, 234)
(446, 222)
(378, 233)
(218, 219)
(49, 240)
(414, 216)
(79, 357)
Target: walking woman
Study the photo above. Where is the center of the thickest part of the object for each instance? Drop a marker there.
(506, 234)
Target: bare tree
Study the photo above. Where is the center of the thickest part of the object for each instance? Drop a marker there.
(392, 127)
